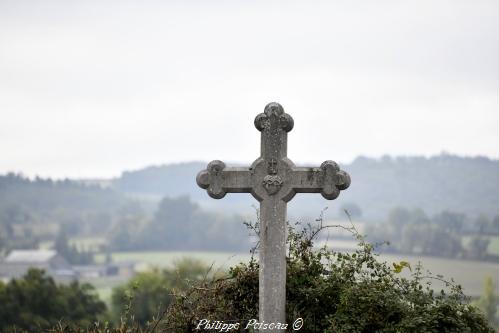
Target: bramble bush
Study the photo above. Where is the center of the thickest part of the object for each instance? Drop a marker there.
(332, 292)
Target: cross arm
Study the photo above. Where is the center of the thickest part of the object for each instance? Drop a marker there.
(219, 180)
(328, 180)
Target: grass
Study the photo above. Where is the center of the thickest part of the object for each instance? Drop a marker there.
(470, 274)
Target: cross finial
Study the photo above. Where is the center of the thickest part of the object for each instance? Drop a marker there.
(274, 114)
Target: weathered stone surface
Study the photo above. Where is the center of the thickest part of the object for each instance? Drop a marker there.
(273, 180)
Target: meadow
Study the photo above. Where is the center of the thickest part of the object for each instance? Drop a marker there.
(494, 245)
(469, 274)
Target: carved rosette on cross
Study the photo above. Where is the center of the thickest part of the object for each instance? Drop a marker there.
(273, 174)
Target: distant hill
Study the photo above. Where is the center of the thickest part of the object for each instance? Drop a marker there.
(38, 210)
(461, 184)
(43, 205)
(34, 210)
(167, 180)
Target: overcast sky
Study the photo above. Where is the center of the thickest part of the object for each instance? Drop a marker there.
(92, 88)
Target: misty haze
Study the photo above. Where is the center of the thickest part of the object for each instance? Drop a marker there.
(109, 110)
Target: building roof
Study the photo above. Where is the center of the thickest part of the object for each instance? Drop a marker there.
(30, 256)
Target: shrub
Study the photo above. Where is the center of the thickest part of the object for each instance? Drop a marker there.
(36, 303)
(148, 292)
(333, 292)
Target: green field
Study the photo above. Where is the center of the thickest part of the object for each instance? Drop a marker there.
(147, 259)
(470, 274)
(218, 261)
(494, 245)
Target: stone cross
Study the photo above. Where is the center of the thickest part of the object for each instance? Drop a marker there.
(273, 180)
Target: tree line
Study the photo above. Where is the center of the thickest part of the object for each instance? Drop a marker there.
(42, 210)
(445, 234)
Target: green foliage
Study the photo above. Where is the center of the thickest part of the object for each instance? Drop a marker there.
(35, 302)
(398, 267)
(402, 216)
(145, 295)
(333, 292)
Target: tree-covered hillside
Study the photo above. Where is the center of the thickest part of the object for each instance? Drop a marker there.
(36, 211)
(444, 182)
(167, 180)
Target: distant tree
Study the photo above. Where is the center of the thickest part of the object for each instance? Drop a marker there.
(483, 224)
(411, 231)
(124, 235)
(410, 240)
(14, 213)
(36, 303)
(495, 225)
(181, 224)
(173, 225)
(70, 252)
(419, 216)
(122, 239)
(428, 239)
(477, 247)
(439, 242)
(399, 216)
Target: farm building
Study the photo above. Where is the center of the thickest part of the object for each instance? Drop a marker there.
(18, 262)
